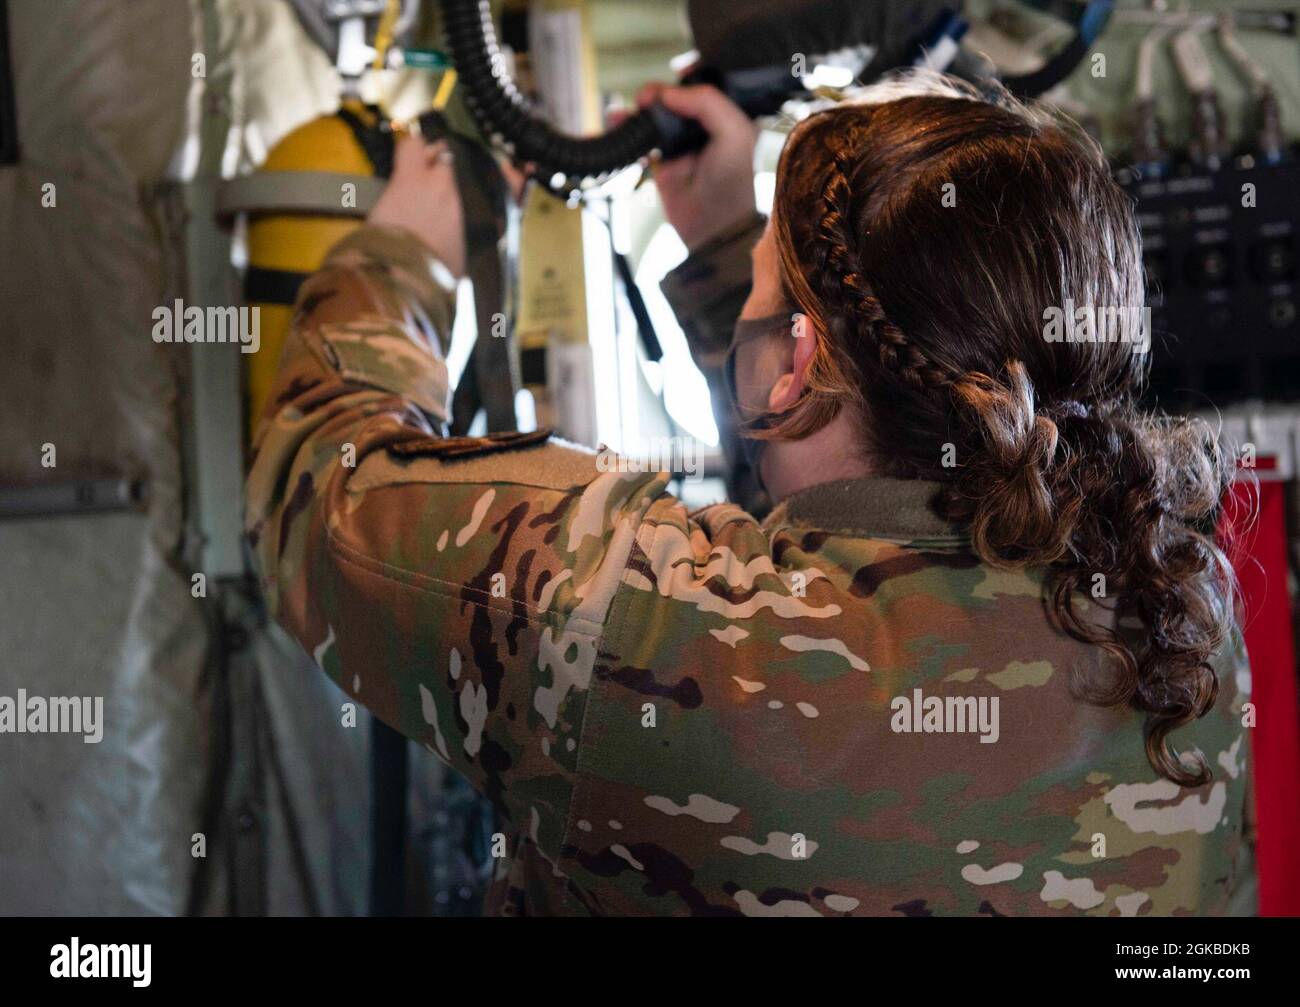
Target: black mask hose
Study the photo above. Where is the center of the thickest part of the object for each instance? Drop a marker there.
(502, 111)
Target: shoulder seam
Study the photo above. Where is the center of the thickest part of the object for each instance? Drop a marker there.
(411, 578)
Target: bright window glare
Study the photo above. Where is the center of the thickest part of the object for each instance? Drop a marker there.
(526, 410)
(825, 75)
(686, 395)
(765, 191)
(464, 327)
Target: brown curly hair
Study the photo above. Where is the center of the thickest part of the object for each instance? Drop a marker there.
(945, 225)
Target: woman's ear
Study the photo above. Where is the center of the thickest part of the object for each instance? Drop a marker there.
(789, 386)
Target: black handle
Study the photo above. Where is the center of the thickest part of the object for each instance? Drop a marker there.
(677, 134)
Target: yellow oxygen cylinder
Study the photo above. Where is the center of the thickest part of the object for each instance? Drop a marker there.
(313, 190)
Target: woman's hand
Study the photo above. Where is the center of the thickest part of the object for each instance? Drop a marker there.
(422, 197)
(711, 190)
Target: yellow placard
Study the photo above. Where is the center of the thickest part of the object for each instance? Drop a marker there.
(552, 283)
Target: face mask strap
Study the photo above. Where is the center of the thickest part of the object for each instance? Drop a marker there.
(747, 330)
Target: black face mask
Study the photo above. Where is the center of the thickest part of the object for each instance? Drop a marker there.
(747, 330)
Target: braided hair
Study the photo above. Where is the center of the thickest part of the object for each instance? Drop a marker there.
(944, 227)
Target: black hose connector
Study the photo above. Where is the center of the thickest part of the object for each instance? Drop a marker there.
(502, 111)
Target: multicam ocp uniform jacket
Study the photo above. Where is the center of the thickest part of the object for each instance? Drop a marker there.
(837, 711)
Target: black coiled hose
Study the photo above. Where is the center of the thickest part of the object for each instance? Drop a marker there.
(502, 111)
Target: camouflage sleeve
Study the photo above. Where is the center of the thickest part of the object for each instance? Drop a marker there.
(706, 293)
(458, 587)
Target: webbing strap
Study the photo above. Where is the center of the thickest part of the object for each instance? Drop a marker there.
(299, 192)
(272, 286)
(491, 375)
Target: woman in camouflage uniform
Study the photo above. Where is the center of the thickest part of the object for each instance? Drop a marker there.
(978, 658)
